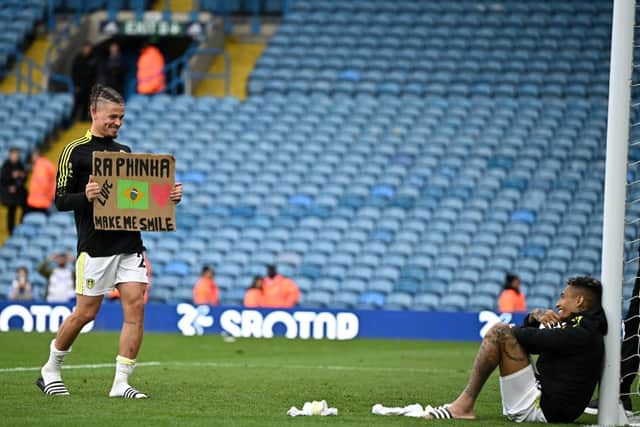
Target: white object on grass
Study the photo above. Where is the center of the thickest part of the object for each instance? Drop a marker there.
(316, 407)
(416, 410)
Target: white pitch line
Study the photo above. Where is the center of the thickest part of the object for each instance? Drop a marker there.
(237, 365)
(325, 367)
(87, 366)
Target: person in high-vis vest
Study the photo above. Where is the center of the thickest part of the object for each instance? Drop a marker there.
(42, 188)
(150, 70)
(511, 299)
(254, 297)
(205, 291)
(279, 291)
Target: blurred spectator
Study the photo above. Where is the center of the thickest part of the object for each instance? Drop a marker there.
(42, 187)
(115, 293)
(13, 193)
(113, 69)
(21, 287)
(150, 70)
(279, 291)
(255, 295)
(205, 290)
(511, 300)
(61, 286)
(83, 74)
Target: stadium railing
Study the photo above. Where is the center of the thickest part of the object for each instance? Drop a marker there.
(179, 78)
(26, 79)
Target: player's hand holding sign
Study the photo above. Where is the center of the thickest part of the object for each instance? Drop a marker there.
(92, 189)
(176, 194)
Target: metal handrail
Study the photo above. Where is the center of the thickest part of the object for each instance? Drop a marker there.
(32, 85)
(177, 73)
(189, 76)
(58, 41)
(172, 78)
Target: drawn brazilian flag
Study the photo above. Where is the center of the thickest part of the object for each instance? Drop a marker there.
(133, 194)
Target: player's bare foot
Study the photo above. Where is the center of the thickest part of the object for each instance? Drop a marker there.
(448, 411)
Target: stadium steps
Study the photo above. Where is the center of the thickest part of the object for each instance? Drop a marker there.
(36, 52)
(4, 233)
(243, 54)
(176, 6)
(75, 131)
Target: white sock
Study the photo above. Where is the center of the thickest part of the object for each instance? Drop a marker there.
(51, 370)
(121, 387)
(124, 368)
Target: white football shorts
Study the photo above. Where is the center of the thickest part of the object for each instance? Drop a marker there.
(521, 397)
(99, 275)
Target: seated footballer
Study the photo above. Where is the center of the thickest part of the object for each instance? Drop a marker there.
(571, 348)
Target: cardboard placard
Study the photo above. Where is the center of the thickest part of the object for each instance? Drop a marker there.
(134, 191)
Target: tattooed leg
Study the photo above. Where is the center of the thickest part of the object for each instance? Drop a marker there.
(499, 348)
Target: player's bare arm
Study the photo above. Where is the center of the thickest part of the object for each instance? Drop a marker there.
(547, 318)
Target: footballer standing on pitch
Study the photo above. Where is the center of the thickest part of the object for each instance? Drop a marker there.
(106, 259)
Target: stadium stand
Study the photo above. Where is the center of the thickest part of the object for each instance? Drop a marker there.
(392, 154)
(295, 179)
(17, 125)
(17, 19)
(462, 48)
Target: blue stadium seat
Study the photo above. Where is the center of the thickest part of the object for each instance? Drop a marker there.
(371, 300)
(492, 289)
(417, 145)
(426, 302)
(232, 297)
(180, 294)
(342, 300)
(160, 295)
(453, 302)
(481, 302)
(178, 268)
(316, 299)
(398, 301)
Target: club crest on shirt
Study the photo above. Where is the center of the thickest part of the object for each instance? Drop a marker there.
(576, 320)
(90, 283)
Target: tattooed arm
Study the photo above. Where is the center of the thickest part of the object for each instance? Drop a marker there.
(538, 316)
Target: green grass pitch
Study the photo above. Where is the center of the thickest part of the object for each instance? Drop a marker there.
(205, 381)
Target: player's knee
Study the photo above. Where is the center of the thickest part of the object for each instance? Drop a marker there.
(135, 308)
(85, 316)
(499, 331)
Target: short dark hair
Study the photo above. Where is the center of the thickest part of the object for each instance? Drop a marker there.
(255, 280)
(104, 93)
(509, 278)
(591, 287)
(206, 269)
